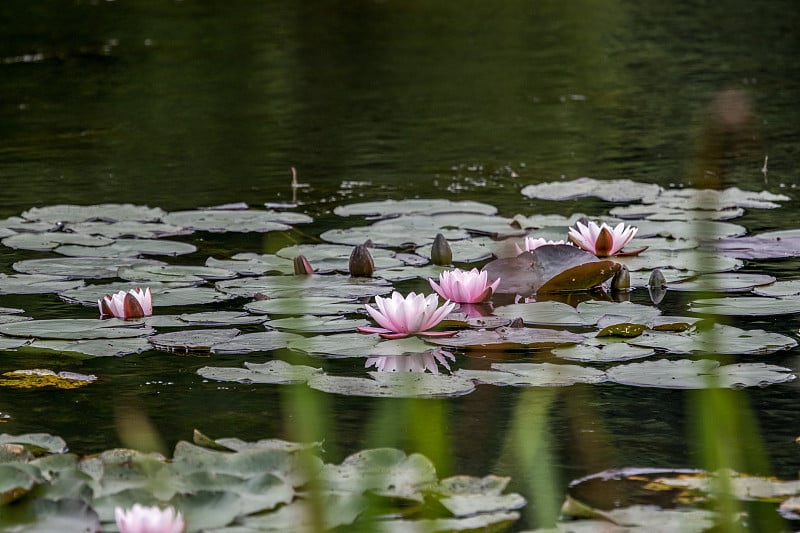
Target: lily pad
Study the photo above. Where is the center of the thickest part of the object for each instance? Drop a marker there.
(747, 306)
(406, 273)
(309, 305)
(37, 442)
(105, 212)
(602, 353)
(80, 267)
(37, 378)
(277, 372)
(129, 248)
(534, 375)
(416, 206)
(89, 294)
(315, 324)
(357, 345)
(76, 328)
(388, 236)
(194, 340)
(508, 339)
(758, 247)
(720, 199)
(698, 374)
(216, 318)
(336, 286)
(394, 385)
(661, 212)
(472, 250)
(249, 264)
(689, 260)
(544, 313)
(261, 341)
(36, 284)
(679, 229)
(173, 273)
(593, 311)
(224, 221)
(127, 228)
(609, 190)
(49, 241)
(720, 339)
(95, 347)
(723, 282)
(779, 289)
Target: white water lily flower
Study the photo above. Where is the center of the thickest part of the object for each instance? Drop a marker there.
(136, 303)
(415, 314)
(601, 240)
(141, 519)
(464, 286)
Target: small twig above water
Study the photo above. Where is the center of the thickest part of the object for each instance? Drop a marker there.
(764, 168)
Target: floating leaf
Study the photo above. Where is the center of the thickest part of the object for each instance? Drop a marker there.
(388, 236)
(593, 311)
(15, 482)
(309, 305)
(277, 372)
(723, 282)
(720, 199)
(689, 260)
(758, 247)
(194, 340)
(661, 212)
(38, 377)
(679, 229)
(261, 341)
(76, 328)
(472, 250)
(216, 318)
(779, 289)
(38, 443)
(508, 339)
(127, 228)
(36, 284)
(315, 324)
(95, 347)
(747, 306)
(394, 385)
(104, 212)
(609, 190)
(49, 241)
(224, 221)
(89, 294)
(80, 267)
(602, 353)
(249, 264)
(173, 273)
(534, 375)
(336, 257)
(698, 374)
(337, 286)
(720, 339)
(129, 248)
(357, 345)
(416, 206)
(622, 329)
(544, 313)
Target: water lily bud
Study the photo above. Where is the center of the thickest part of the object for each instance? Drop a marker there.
(441, 254)
(302, 266)
(657, 280)
(361, 264)
(621, 280)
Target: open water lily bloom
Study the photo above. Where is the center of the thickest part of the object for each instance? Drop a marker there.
(136, 303)
(141, 519)
(601, 240)
(413, 315)
(532, 243)
(464, 286)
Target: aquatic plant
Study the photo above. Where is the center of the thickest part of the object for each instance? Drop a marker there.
(141, 519)
(531, 243)
(465, 286)
(415, 314)
(136, 303)
(601, 240)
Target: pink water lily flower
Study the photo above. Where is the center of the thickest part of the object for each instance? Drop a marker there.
(136, 303)
(464, 286)
(415, 314)
(418, 362)
(141, 519)
(532, 243)
(601, 240)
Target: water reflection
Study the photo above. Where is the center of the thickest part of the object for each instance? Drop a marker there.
(420, 362)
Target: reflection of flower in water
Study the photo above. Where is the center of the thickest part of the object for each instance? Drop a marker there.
(141, 519)
(419, 362)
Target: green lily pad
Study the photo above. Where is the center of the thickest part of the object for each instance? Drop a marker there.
(602, 353)
(194, 340)
(394, 385)
(388, 208)
(594, 311)
(406, 273)
(95, 347)
(316, 324)
(309, 305)
(104, 212)
(779, 289)
(662, 212)
(336, 286)
(89, 294)
(747, 306)
(388, 236)
(38, 443)
(689, 260)
(698, 374)
(330, 257)
(129, 248)
(80, 267)
(127, 228)
(508, 339)
(224, 221)
(622, 329)
(173, 273)
(720, 199)
(534, 375)
(48, 241)
(608, 190)
(276, 372)
(758, 247)
(249, 264)
(357, 345)
(720, 339)
(74, 329)
(261, 341)
(544, 313)
(723, 282)
(679, 229)
(15, 483)
(36, 284)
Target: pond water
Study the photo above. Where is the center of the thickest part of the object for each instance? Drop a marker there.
(187, 104)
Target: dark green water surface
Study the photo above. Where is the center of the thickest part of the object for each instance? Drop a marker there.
(182, 104)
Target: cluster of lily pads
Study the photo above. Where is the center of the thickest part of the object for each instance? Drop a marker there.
(511, 287)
